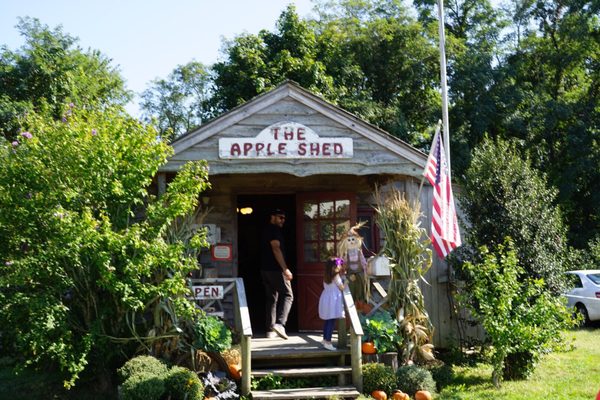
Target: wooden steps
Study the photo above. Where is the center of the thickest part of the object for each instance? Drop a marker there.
(307, 393)
(302, 372)
(301, 356)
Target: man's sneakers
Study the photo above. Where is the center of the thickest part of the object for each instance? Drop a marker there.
(280, 330)
(328, 346)
(271, 335)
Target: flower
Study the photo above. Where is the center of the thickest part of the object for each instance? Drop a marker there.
(27, 135)
(15, 143)
(8, 263)
(94, 132)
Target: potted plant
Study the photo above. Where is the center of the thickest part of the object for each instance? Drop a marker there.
(382, 329)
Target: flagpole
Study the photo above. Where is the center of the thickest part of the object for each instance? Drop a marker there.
(446, 136)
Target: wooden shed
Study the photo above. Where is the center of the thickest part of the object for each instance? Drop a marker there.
(290, 149)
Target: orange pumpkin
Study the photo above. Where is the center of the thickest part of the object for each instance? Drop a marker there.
(234, 372)
(368, 348)
(379, 395)
(400, 395)
(423, 395)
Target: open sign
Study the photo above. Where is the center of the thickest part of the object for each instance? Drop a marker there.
(208, 292)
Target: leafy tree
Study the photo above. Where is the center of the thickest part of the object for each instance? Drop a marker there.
(503, 196)
(180, 102)
(82, 269)
(50, 71)
(258, 63)
(553, 76)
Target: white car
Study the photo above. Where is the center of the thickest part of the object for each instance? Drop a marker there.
(584, 293)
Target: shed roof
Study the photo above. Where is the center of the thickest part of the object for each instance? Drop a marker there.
(397, 156)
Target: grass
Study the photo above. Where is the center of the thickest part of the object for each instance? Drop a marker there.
(573, 375)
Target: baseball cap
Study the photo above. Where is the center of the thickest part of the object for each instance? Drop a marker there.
(277, 211)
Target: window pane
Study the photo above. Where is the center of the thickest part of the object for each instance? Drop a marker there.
(327, 231)
(311, 252)
(342, 208)
(327, 250)
(326, 209)
(341, 228)
(310, 211)
(310, 231)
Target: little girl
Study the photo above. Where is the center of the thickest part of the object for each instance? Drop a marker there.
(331, 304)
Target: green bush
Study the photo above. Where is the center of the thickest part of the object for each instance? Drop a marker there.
(383, 330)
(211, 334)
(522, 319)
(183, 384)
(377, 376)
(76, 237)
(411, 378)
(142, 365)
(143, 386)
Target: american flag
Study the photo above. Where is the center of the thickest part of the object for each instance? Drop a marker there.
(445, 236)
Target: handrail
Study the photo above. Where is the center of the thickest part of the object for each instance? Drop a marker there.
(352, 313)
(244, 325)
(356, 332)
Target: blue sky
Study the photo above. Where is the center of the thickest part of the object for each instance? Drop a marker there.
(148, 39)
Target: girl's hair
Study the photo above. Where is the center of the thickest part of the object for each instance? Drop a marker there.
(332, 267)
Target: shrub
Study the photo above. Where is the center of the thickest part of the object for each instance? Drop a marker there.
(211, 334)
(411, 378)
(377, 376)
(522, 319)
(143, 386)
(142, 365)
(76, 237)
(381, 329)
(183, 384)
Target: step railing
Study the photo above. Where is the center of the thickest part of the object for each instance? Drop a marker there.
(244, 327)
(356, 333)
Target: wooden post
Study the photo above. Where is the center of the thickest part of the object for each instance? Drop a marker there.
(356, 360)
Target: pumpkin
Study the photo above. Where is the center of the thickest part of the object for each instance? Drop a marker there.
(234, 372)
(423, 395)
(379, 395)
(400, 395)
(368, 348)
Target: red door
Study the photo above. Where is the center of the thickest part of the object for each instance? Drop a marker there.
(322, 219)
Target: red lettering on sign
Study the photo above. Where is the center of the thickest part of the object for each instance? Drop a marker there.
(302, 149)
(326, 149)
(281, 148)
(314, 149)
(275, 132)
(338, 149)
(259, 147)
(300, 133)
(235, 149)
(247, 148)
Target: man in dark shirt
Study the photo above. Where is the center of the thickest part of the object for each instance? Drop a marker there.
(276, 276)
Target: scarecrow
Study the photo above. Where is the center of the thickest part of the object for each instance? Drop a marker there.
(350, 250)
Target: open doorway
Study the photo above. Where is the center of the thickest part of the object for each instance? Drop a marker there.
(250, 226)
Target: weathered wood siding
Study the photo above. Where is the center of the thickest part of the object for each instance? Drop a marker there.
(369, 157)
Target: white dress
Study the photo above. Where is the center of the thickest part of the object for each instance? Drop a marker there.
(331, 303)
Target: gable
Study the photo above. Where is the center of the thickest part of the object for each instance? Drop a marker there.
(290, 130)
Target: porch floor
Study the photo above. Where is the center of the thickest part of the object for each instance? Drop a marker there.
(298, 345)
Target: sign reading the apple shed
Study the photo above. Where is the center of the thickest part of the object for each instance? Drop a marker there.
(286, 140)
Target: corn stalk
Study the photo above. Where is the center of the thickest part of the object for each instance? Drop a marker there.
(407, 248)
